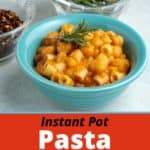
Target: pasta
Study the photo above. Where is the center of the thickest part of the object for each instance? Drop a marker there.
(102, 61)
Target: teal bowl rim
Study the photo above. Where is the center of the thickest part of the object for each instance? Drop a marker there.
(38, 78)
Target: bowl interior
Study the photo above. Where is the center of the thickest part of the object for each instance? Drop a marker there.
(134, 46)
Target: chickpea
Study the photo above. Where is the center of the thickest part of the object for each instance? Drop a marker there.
(88, 51)
(67, 28)
(64, 47)
(99, 33)
(117, 51)
(96, 41)
(100, 63)
(107, 49)
(106, 39)
(117, 40)
(71, 62)
(77, 55)
(89, 36)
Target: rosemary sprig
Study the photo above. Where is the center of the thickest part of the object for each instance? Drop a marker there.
(77, 35)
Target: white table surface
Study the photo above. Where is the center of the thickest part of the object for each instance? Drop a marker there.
(18, 94)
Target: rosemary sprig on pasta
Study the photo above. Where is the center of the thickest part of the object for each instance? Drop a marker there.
(77, 35)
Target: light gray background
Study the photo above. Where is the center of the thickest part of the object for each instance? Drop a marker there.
(18, 95)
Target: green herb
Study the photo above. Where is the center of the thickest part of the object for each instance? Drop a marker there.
(77, 35)
(94, 2)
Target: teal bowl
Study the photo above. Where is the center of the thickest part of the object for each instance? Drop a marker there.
(74, 96)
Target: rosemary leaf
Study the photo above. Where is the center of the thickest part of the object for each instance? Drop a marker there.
(77, 35)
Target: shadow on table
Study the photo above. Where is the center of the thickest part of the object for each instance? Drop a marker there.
(22, 96)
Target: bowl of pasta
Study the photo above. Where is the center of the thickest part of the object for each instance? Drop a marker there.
(81, 60)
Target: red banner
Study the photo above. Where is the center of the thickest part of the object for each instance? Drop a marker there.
(78, 131)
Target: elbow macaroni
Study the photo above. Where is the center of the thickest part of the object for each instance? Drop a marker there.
(102, 61)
